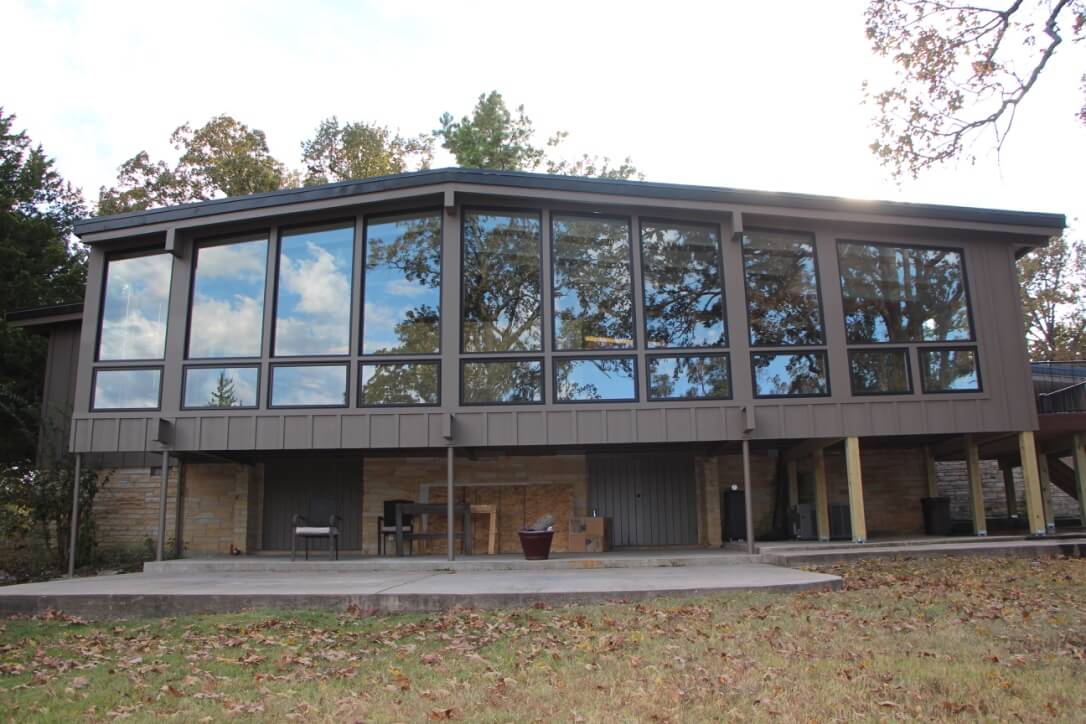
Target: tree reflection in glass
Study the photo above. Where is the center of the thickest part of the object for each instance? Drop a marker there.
(879, 371)
(134, 308)
(402, 286)
(399, 383)
(787, 374)
(228, 300)
(313, 306)
(782, 289)
(503, 383)
(682, 285)
(593, 299)
(689, 378)
(502, 300)
(903, 294)
(610, 378)
(950, 370)
(219, 387)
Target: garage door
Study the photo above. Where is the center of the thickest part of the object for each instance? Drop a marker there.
(650, 497)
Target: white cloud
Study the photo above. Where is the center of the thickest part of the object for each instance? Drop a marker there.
(226, 328)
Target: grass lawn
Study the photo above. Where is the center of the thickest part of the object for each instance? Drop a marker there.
(930, 639)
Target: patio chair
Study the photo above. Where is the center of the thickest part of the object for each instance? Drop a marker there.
(386, 526)
(321, 509)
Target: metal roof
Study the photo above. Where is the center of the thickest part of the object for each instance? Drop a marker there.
(547, 182)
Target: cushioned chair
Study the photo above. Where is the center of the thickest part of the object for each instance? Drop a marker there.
(321, 509)
(386, 526)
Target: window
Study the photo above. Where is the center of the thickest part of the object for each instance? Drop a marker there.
(782, 289)
(309, 386)
(502, 283)
(399, 383)
(790, 374)
(227, 317)
(585, 380)
(402, 288)
(681, 267)
(593, 297)
(313, 300)
(689, 377)
(879, 371)
(903, 294)
(502, 382)
(128, 389)
(221, 387)
(135, 307)
(949, 370)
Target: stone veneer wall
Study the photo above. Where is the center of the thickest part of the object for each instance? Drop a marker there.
(126, 507)
(953, 480)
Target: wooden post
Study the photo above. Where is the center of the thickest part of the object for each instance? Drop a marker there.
(976, 486)
(1046, 491)
(929, 467)
(793, 484)
(74, 532)
(855, 489)
(1031, 479)
(161, 547)
(1078, 452)
(822, 499)
(748, 496)
(1008, 488)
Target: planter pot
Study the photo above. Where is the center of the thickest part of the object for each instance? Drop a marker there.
(536, 544)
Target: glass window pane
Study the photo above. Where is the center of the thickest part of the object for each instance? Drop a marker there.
(782, 289)
(611, 378)
(399, 383)
(313, 304)
(878, 371)
(228, 300)
(135, 307)
(683, 292)
(502, 284)
(790, 374)
(500, 383)
(593, 300)
(689, 378)
(950, 370)
(309, 386)
(217, 387)
(903, 294)
(126, 389)
(402, 288)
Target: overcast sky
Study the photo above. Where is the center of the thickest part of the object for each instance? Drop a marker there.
(748, 95)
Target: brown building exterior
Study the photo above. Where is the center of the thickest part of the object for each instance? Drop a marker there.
(575, 345)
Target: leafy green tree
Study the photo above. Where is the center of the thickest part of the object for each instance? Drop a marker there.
(361, 150)
(1052, 280)
(39, 265)
(961, 70)
(224, 394)
(495, 137)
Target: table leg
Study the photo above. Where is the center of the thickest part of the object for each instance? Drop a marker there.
(399, 532)
(491, 545)
(469, 539)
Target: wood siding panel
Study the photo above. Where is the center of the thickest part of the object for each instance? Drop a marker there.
(297, 432)
(241, 433)
(356, 431)
(501, 428)
(560, 428)
(590, 429)
(384, 431)
(531, 428)
(133, 434)
(326, 432)
(620, 426)
(269, 433)
(414, 431)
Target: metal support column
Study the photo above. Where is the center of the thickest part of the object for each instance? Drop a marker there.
(162, 505)
(450, 518)
(748, 497)
(74, 532)
(976, 487)
(822, 497)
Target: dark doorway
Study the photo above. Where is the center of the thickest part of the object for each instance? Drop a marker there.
(315, 487)
(650, 497)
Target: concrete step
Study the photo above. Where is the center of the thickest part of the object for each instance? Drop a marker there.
(1036, 548)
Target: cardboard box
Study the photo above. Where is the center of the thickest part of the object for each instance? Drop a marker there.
(582, 543)
(589, 535)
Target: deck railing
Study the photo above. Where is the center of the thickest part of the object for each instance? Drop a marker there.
(1060, 386)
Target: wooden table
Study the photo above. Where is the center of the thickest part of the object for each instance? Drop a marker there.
(432, 509)
(491, 510)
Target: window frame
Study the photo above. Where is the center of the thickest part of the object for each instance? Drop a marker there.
(345, 364)
(974, 348)
(121, 256)
(389, 361)
(649, 358)
(185, 380)
(485, 360)
(882, 350)
(136, 368)
(557, 360)
(813, 236)
(778, 350)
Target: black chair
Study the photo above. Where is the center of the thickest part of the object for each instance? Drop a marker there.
(386, 526)
(320, 509)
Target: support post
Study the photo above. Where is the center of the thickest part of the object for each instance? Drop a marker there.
(161, 547)
(976, 486)
(74, 532)
(1007, 469)
(1031, 479)
(1046, 491)
(450, 518)
(1078, 453)
(748, 497)
(793, 484)
(822, 498)
(929, 468)
(855, 490)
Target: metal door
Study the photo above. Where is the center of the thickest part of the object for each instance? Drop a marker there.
(650, 497)
(312, 486)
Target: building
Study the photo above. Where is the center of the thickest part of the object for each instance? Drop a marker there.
(554, 345)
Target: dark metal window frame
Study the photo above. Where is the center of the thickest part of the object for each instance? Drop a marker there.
(209, 366)
(120, 256)
(818, 288)
(650, 358)
(791, 351)
(558, 360)
(384, 361)
(507, 360)
(112, 368)
(921, 351)
(346, 365)
(881, 350)
(673, 222)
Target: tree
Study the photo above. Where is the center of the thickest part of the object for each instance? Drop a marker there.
(1053, 286)
(38, 266)
(223, 395)
(961, 71)
(495, 137)
(361, 150)
(224, 157)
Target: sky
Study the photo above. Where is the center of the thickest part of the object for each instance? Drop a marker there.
(743, 95)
